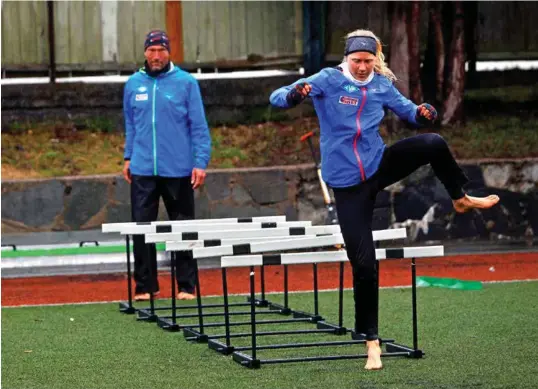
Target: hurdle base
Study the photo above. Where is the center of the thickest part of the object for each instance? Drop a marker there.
(145, 315)
(259, 303)
(323, 325)
(281, 308)
(312, 317)
(168, 325)
(246, 360)
(411, 353)
(194, 336)
(126, 308)
(220, 347)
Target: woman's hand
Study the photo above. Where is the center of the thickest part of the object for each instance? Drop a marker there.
(426, 114)
(298, 93)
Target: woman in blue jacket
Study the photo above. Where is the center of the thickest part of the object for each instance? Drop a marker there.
(349, 102)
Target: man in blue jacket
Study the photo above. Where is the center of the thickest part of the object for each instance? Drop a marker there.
(167, 149)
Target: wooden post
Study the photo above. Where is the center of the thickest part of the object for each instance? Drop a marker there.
(174, 28)
(52, 53)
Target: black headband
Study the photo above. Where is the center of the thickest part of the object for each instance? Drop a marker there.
(361, 43)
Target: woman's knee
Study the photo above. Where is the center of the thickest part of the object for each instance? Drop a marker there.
(435, 141)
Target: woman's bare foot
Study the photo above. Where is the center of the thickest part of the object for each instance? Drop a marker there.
(374, 355)
(466, 203)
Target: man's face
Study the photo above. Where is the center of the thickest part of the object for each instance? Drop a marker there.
(361, 64)
(157, 57)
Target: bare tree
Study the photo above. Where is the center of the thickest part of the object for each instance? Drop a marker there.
(399, 52)
(455, 80)
(413, 40)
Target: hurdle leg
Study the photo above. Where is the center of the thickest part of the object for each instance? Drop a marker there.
(214, 344)
(250, 361)
(338, 329)
(143, 314)
(414, 352)
(165, 323)
(199, 302)
(128, 308)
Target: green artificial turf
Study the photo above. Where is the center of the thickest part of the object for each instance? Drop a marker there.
(472, 339)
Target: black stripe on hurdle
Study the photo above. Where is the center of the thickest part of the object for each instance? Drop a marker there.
(244, 220)
(269, 225)
(189, 236)
(143, 223)
(271, 259)
(212, 242)
(394, 253)
(163, 228)
(297, 231)
(241, 249)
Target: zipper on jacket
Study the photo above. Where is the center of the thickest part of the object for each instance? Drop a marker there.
(357, 136)
(154, 129)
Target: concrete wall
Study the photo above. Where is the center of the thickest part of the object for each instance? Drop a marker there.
(225, 101)
(418, 202)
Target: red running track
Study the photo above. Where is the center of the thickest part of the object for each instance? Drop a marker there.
(112, 287)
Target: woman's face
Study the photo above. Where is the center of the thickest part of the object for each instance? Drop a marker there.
(361, 64)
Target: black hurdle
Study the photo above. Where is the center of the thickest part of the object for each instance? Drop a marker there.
(127, 307)
(392, 349)
(227, 348)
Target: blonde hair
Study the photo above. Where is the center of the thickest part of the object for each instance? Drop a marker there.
(380, 66)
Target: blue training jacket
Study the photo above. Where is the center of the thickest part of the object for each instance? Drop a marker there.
(349, 117)
(166, 130)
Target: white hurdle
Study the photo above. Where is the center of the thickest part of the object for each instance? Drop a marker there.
(118, 227)
(189, 229)
(292, 242)
(288, 244)
(251, 360)
(232, 233)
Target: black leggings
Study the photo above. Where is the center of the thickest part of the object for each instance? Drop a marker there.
(178, 198)
(355, 206)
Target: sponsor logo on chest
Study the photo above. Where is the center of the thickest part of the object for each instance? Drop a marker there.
(351, 88)
(346, 100)
(141, 97)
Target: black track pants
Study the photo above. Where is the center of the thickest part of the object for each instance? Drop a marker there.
(178, 198)
(355, 206)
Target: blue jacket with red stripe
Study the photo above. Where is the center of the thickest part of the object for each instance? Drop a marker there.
(349, 117)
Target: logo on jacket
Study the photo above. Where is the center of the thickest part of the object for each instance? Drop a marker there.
(351, 88)
(348, 100)
(142, 89)
(142, 97)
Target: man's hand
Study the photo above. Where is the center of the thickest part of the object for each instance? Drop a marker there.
(197, 177)
(127, 171)
(298, 93)
(426, 114)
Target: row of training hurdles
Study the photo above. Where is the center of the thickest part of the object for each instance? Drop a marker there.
(256, 243)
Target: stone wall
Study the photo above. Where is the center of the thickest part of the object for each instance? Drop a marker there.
(418, 202)
(225, 101)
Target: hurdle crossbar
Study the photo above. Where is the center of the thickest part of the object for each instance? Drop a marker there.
(119, 227)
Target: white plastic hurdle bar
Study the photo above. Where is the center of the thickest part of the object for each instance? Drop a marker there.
(284, 244)
(392, 348)
(120, 227)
